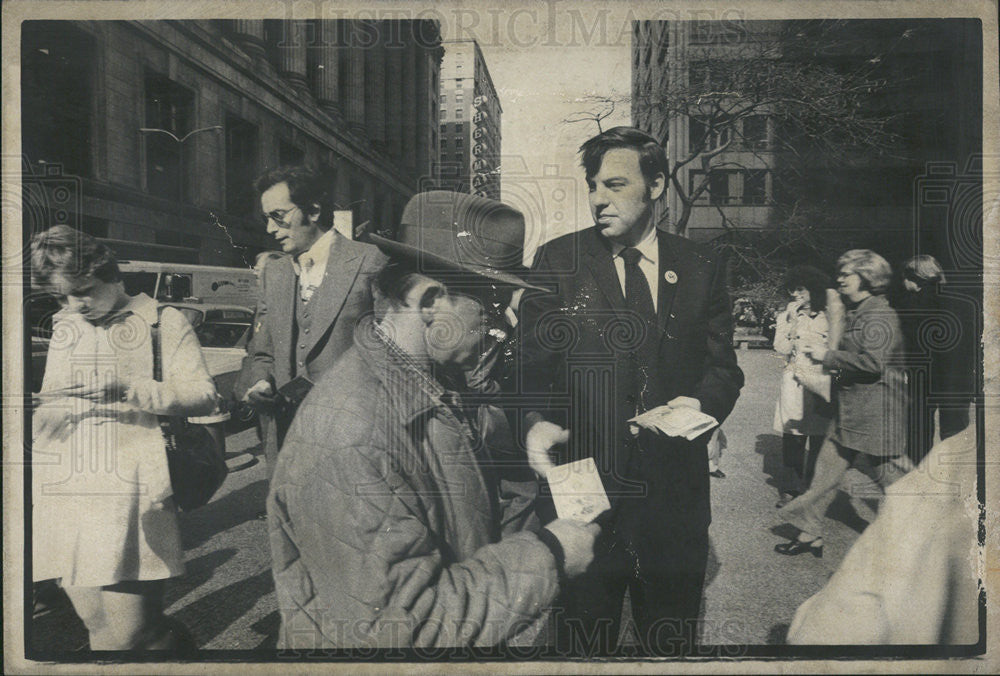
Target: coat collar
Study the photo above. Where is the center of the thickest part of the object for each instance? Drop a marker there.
(412, 389)
(140, 305)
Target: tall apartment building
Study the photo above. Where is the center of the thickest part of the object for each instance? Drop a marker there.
(149, 133)
(932, 69)
(470, 122)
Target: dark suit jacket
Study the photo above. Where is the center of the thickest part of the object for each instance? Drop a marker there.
(343, 297)
(578, 347)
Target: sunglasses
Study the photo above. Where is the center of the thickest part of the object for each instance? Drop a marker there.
(278, 216)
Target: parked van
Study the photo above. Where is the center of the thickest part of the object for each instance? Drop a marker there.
(179, 282)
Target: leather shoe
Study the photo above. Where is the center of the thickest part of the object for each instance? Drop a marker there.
(795, 547)
(717, 473)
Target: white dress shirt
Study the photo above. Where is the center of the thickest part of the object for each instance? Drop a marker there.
(310, 266)
(649, 263)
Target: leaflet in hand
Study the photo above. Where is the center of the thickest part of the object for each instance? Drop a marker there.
(577, 490)
(676, 421)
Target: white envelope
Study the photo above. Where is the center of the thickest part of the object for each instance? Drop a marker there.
(577, 490)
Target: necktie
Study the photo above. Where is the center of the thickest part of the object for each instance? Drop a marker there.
(305, 278)
(637, 293)
(639, 300)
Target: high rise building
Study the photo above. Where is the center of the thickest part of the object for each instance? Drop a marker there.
(149, 133)
(470, 122)
(929, 74)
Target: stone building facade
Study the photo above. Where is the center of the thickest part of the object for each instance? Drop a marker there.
(156, 129)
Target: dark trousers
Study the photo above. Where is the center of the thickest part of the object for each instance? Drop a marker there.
(953, 419)
(796, 456)
(665, 587)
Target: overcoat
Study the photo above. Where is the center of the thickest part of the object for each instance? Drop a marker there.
(869, 391)
(391, 523)
(582, 350)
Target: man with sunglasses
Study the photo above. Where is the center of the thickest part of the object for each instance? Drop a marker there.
(310, 299)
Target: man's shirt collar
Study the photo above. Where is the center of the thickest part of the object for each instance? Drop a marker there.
(648, 247)
(316, 256)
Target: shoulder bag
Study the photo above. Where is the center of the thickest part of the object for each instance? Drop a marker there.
(197, 465)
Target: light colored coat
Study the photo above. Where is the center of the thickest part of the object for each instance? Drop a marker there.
(101, 509)
(798, 410)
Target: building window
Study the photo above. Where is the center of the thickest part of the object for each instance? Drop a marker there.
(58, 63)
(459, 83)
(169, 107)
(755, 186)
(459, 128)
(241, 166)
(746, 187)
(459, 113)
(289, 153)
(755, 132)
(702, 134)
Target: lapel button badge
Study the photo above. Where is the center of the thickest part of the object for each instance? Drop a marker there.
(670, 276)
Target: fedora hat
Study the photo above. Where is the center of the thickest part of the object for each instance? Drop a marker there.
(444, 231)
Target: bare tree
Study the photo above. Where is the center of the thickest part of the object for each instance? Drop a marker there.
(602, 107)
(793, 98)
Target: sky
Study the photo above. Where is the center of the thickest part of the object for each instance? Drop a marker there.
(543, 65)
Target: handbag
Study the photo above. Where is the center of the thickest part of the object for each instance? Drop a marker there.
(197, 465)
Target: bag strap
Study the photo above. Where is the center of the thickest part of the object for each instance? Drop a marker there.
(154, 331)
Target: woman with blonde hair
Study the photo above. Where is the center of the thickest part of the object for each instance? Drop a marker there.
(103, 518)
(868, 395)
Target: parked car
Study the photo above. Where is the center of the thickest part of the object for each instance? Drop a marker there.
(223, 331)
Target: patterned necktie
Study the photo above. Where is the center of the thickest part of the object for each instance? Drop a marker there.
(306, 289)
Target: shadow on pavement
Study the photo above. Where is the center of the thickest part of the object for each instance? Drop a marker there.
(777, 634)
(197, 572)
(778, 476)
(269, 627)
(210, 615)
(220, 515)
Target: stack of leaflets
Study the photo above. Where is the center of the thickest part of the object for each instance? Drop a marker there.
(678, 421)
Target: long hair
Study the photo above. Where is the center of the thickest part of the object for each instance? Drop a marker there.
(812, 279)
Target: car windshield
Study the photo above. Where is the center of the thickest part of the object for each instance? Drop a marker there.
(221, 334)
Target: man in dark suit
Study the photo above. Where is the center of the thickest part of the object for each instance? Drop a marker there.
(640, 318)
(310, 300)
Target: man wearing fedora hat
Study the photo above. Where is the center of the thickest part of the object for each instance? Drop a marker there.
(389, 517)
(640, 319)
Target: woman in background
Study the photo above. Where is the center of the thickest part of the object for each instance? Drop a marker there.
(868, 395)
(802, 414)
(104, 522)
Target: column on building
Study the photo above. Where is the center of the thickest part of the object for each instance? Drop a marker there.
(353, 92)
(290, 53)
(249, 34)
(423, 78)
(408, 109)
(375, 83)
(324, 65)
(393, 90)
